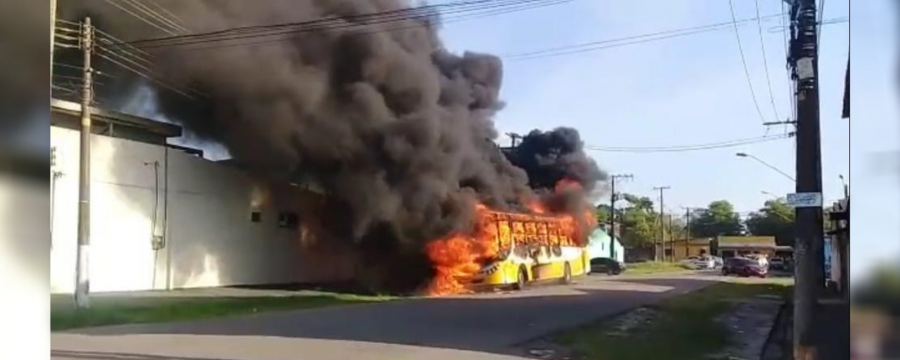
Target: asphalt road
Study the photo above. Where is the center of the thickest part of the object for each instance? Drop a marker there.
(481, 326)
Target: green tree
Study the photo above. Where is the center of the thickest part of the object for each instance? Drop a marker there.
(636, 219)
(640, 225)
(717, 219)
(776, 219)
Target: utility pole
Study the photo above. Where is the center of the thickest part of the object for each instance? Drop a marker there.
(513, 137)
(687, 240)
(809, 248)
(82, 268)
(52, 38)
(662, 210)
(612, 211)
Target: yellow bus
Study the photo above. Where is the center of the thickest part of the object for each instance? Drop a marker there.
(532, 248)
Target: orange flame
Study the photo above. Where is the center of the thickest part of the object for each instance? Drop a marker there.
(567, 184)
(458, 258)
(536, 207)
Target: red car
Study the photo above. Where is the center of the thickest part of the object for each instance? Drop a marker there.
(743, 267)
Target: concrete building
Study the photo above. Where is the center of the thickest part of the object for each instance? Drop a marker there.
(163, 217)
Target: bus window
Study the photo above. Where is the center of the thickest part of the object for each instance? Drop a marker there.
(553, 232)
(505, 235)
(519, 234)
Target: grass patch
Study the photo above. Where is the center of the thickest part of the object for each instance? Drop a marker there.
(138, 310)
(684, 327)
(655, 267)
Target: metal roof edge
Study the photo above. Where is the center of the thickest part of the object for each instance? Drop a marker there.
(158, 127)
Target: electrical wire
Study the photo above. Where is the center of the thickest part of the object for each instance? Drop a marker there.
(172, 17)
(156, 15)
(744, 61)
(832, 21)
(762, 45)
(139, 17)
(110, 55)
(344, 25)
(334, 19)
(334, 23)
(444, 20)
(684, 148)
(648, 36)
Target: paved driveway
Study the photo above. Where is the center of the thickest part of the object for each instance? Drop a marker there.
(484, 326)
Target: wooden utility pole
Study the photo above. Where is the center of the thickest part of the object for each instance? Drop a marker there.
(687, 240)
(82, 268)
(662, 225)
(809, 242)
(52, 38)
(612, 211)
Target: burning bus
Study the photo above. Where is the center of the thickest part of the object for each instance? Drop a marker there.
(509, 249)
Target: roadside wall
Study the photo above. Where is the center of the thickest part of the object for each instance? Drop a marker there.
(199, 208)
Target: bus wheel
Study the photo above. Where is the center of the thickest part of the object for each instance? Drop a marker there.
(521, 279)
(567, 273)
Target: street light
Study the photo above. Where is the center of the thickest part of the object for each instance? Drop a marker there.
(740, 154)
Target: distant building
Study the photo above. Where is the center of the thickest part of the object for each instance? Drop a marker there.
(682, 249)
(601, 245)
(163, 217)
(733, 246)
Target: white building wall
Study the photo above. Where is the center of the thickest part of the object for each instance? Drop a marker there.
(210, 239)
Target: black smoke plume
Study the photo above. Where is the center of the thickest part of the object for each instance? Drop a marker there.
(398, 130)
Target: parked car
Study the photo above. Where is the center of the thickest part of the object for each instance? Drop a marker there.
(699, 262)
(777, 263)
(607, 266)
(762, 260)
(718, 261)
(743, 267)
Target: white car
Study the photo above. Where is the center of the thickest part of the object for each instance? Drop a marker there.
(699, 263)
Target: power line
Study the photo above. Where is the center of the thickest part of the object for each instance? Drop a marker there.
(629, 40)
(762, 45)
(444, 20)
(744, 61)
(172, 17)
(109, 55)
(139, 17)
(726, 142)
(156, 15)
(685, 148)
(332, 23)
(832, 21)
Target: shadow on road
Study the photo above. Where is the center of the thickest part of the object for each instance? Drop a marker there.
(491, 323)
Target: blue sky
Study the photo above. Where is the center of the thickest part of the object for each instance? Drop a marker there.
(692, 90)
(686, 90)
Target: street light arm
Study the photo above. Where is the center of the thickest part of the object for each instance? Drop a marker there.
(770, 167)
